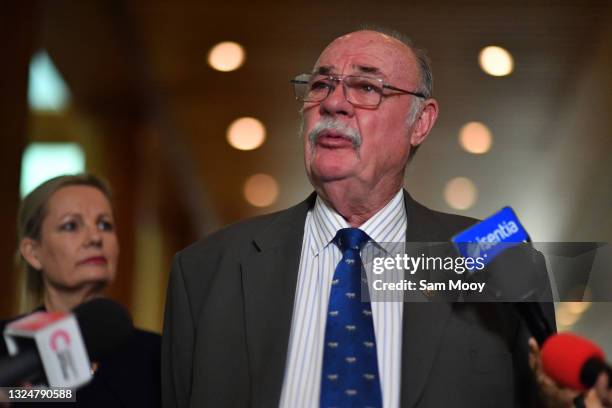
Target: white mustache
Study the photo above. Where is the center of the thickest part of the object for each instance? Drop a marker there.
(326, 124)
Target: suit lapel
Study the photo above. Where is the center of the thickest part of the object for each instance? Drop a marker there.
(269, 278)
(423, 322)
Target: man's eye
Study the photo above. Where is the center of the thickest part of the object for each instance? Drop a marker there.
(367, 87)
(106, 226)
(69, 226)
(319, 86)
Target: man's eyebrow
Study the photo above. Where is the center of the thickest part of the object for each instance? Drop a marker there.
(367, 69)
(364, 69)
(324, 70)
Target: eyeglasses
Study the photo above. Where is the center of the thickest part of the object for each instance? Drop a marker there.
(366, 92)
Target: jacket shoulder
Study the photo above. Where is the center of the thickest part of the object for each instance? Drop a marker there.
(222, 250)
(231, 237)
(425, 224)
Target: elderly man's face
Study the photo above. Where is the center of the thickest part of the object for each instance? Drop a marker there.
(385, 137)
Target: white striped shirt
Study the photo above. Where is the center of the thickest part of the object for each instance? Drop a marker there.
(319, 258)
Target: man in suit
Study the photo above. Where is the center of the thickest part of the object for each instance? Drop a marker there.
(252, 311)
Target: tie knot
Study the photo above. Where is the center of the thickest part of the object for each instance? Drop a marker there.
(351, 238)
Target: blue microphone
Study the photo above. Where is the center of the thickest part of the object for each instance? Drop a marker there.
(492, 236)
(514, 271)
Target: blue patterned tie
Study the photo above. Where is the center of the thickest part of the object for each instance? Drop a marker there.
(350, 368)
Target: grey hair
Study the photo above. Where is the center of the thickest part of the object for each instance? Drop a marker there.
(415, 109)
(423, 61)
(425, 73)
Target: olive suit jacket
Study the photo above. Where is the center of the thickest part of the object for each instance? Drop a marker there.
(229, 309)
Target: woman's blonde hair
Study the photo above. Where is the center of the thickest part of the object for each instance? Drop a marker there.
(32, 212)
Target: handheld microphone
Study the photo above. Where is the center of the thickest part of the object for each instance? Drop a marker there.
(514, 271)
(60, 346)
(491, 236)
(573, 361)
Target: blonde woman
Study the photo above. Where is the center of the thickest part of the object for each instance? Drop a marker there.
(68, 245)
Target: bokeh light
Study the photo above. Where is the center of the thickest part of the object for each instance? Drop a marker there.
(226, 56)
(460, 193)
(261, 190)
(475, 137)
(565, 318)
(577, 307)
(496, 61)
(42, 161)
(246, 133)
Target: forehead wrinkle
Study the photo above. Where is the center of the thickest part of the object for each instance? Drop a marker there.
(361, 68)
(395, 61)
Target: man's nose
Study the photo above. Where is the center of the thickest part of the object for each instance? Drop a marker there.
(336, 103)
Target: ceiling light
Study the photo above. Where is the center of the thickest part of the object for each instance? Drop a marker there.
(246, 133)
(261, 190)
(226, 56)
(475, 138)
(42, 161)
(496, 61)
(460, 193)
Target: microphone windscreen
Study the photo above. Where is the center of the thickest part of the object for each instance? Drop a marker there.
(105, 325)
(564, 356)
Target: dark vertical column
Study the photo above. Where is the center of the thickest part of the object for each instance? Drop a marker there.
(19, 22)
(120, 149)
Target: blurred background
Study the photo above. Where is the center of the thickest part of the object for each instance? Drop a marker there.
(185, 107)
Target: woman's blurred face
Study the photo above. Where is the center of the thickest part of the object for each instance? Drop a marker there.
(78, 244)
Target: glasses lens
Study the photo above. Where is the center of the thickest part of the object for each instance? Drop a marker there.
(318, 88)
(310, 88)
(300, 86)
(363, 91)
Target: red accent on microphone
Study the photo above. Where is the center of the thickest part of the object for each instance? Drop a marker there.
(38, 320)
(563, 356)
(56, 335)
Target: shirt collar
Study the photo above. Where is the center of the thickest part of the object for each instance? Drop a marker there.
(387, 225)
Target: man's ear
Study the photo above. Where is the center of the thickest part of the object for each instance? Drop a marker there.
(29, 250)
(424, 122)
